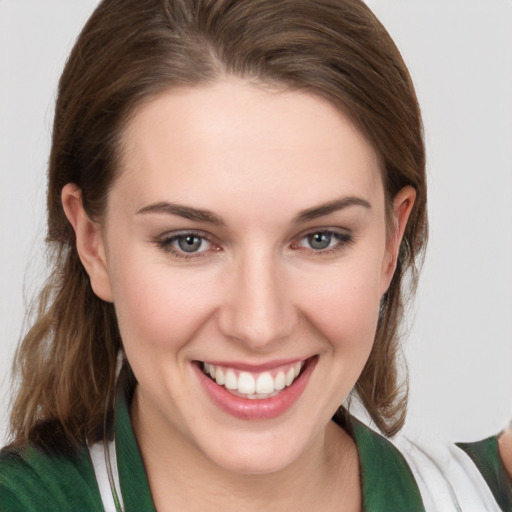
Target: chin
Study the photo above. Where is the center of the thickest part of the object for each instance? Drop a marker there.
(255, 460)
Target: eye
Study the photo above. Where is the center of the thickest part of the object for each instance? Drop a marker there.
(325, 241)
(185, 245)
(320, 241)
(189, 242)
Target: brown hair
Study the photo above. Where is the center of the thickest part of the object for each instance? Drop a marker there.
(131, 50)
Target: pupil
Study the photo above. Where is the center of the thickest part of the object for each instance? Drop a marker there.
(320, 240)
(189, 243)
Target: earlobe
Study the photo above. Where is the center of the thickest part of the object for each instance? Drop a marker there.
(89, 242)
(402, 207)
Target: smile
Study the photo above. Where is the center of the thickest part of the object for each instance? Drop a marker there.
(254, 385)
(251, 393)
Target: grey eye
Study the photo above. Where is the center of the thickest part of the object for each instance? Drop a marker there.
(320, 240)
(189, 243)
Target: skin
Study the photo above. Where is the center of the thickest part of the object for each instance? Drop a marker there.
(256, 292)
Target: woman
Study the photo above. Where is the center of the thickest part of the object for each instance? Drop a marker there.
(236, 194)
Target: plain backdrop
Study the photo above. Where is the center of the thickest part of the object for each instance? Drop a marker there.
(460, 56)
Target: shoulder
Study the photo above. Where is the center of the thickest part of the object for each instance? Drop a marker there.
(447, 477)
(34, 480)
(486, 457)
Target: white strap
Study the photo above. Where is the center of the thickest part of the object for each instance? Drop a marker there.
(99, 463)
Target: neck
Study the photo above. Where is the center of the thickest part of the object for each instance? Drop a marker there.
(183, 478)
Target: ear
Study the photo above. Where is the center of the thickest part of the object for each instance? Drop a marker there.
(89, 241)
(402, 207)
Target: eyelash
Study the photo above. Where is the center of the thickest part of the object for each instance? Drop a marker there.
(342, 240)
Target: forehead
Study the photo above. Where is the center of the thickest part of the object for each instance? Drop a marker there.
(234, 139)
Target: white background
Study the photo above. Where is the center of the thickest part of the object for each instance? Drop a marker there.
(460, 56)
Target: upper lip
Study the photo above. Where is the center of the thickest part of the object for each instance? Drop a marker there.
(256, 368)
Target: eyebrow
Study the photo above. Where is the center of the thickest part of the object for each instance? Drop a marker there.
(330, 207)
(199, 215)
(186, 212)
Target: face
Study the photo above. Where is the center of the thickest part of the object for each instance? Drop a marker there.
(245, 249)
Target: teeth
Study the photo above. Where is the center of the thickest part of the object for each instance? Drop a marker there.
(246, 384)
(279, 382)
(219, 377)
(231, 380)
(265, 383)
(255, 387)
(290, 375)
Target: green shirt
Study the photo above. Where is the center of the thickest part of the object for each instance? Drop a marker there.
(34, 481)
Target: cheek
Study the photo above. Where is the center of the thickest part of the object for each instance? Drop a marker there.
(157, 308)
(343, 305)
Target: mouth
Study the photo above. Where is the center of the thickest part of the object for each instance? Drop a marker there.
(253, 393)
(254, 385)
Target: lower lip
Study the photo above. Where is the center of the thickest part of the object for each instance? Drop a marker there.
(257, 409)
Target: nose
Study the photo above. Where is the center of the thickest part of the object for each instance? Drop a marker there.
(258, 309)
